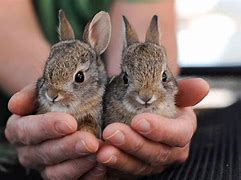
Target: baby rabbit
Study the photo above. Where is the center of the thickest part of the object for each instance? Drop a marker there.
(145, 84)
(74, 76)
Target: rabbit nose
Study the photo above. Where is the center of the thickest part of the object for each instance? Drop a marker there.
(146, 99)
(52, 96)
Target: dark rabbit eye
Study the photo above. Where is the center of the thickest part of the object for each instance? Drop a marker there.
(125, 78)
(79, 77)
(164, 76)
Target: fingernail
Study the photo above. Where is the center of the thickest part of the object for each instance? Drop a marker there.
(63, 127)
(117, 138)
(82, 148)
(143, 126)
(98, 170)
(91, 158)
(112, 160)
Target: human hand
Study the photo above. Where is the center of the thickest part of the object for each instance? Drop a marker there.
(50, 142)
(153, 142)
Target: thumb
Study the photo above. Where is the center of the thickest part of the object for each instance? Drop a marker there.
(191, 91)
(23, 102)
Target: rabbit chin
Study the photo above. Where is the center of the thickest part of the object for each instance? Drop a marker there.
(59, 108)
(62, 107)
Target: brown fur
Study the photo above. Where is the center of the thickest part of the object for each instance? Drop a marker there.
(132, 36)
(65, 30)
(153, 32)
(144, 63)
(82, 100)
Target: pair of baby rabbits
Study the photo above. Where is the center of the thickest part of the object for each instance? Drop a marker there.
(75, 81)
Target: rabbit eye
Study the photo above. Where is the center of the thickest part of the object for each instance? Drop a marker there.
(125, 78)
(79, 77)
(164, 76)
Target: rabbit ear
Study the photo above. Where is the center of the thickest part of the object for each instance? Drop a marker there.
(97, 33)
(152, 34)
(65, 30)
(130, 34)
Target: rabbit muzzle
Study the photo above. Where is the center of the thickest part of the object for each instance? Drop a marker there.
(145, 97)
(146, 100)
(53, 96)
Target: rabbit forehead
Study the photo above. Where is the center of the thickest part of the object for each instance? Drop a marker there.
(75, 49)
(66, 58)
(144, 60)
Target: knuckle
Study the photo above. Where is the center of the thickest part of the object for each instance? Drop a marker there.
(98, 172)
(63, 149)
(47, 128)
(161, 157)
(138, 146)
(23, 138)
(9, 130)
(143, 170)
(185, 138)
(46, 125)
(183, 142)
(43, 155)
(23, 158)
(187, 131)
(183, 157)
(82, 167)
(22, 133)
(121, 163)
(158, 169)
(50, 174)
(77, 168)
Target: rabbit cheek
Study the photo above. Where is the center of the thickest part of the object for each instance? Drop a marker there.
(170, 88)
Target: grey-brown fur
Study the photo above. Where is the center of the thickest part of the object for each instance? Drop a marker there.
(144, 63)
(82, 100)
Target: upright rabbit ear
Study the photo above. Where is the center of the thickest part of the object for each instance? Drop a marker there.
(130, 34)
(65, 30)
(98, 32)
(152, 34)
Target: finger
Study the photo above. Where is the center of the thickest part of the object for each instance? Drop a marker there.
(191, 91)
(180, 155)
(173, 132)
(72, 169)
(114, 158)
(34, 129)
(129, 141)
(23, 102)
(98, 172)
(51, 152)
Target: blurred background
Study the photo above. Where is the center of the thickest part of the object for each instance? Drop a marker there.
(209, 32)
(209, 44)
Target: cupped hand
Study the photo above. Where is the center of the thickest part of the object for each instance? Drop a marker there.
(153, 142)
(50, 142)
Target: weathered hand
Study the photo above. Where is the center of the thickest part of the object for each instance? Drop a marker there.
(153, 142)
(50, 142)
